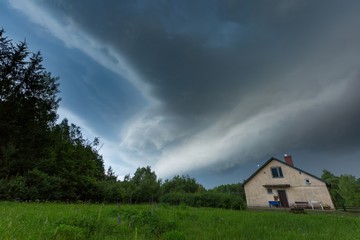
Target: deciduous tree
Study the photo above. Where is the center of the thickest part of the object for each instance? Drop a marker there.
(147, 186)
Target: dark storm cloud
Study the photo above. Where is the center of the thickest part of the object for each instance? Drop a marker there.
(333, 127)
(224, 63)
(181, 48)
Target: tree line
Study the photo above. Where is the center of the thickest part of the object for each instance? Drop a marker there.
(344, 189)
(43, 160)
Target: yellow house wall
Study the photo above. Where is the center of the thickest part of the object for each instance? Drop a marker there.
(299, 191)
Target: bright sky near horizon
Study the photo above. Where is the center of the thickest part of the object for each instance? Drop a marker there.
(206, 88)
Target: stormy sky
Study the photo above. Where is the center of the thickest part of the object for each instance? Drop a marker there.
(206, 88)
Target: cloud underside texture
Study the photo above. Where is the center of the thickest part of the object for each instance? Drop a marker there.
(228, 81)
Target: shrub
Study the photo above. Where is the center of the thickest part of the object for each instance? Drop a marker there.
(13, 188)
(207, 199)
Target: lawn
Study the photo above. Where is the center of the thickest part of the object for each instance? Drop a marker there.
(91, 221)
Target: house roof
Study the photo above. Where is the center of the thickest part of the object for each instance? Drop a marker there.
(275, 159)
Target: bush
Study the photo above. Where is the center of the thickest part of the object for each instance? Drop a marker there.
(44, 187)
(13, 188)
(110, 191)
(207, 199)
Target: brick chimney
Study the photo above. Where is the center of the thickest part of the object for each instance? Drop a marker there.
(288, 159)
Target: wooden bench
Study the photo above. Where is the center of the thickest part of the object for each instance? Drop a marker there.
(302, 204)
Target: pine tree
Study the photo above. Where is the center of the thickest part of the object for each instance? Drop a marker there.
(28, 105)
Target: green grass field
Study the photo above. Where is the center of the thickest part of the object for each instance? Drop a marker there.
(91, 221)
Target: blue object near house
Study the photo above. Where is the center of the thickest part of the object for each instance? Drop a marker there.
(274, 203)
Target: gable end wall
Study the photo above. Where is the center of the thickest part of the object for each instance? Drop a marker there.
(299, 191)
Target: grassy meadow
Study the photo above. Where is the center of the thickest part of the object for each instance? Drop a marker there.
(91, 221)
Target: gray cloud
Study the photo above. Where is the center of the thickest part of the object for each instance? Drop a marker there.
(232, 77)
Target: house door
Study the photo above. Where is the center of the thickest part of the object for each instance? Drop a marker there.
(283, 199)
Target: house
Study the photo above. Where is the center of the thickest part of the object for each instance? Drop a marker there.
(278, 183)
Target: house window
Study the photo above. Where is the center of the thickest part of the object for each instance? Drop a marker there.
(269, 191)
(307, 181)
(277, 172)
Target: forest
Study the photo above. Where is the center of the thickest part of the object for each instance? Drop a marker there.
(43, 159)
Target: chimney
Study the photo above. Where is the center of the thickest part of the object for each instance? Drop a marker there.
(288, 159)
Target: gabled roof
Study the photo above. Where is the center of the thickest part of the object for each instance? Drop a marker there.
(275, 159)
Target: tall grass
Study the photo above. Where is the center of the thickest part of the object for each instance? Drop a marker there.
(90, 221)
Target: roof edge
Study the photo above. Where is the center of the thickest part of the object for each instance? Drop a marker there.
(273, 158)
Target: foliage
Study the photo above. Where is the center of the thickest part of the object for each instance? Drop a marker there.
(234, 188)
(344, 189)
(28, 104)
(129, 188)
(150, 222)
(39, 159)
(350, 189)
(181, 184)
(205, 199)
(110, 175)
(146, 187)
(149, 219)
(13, 188)
(333, 183)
